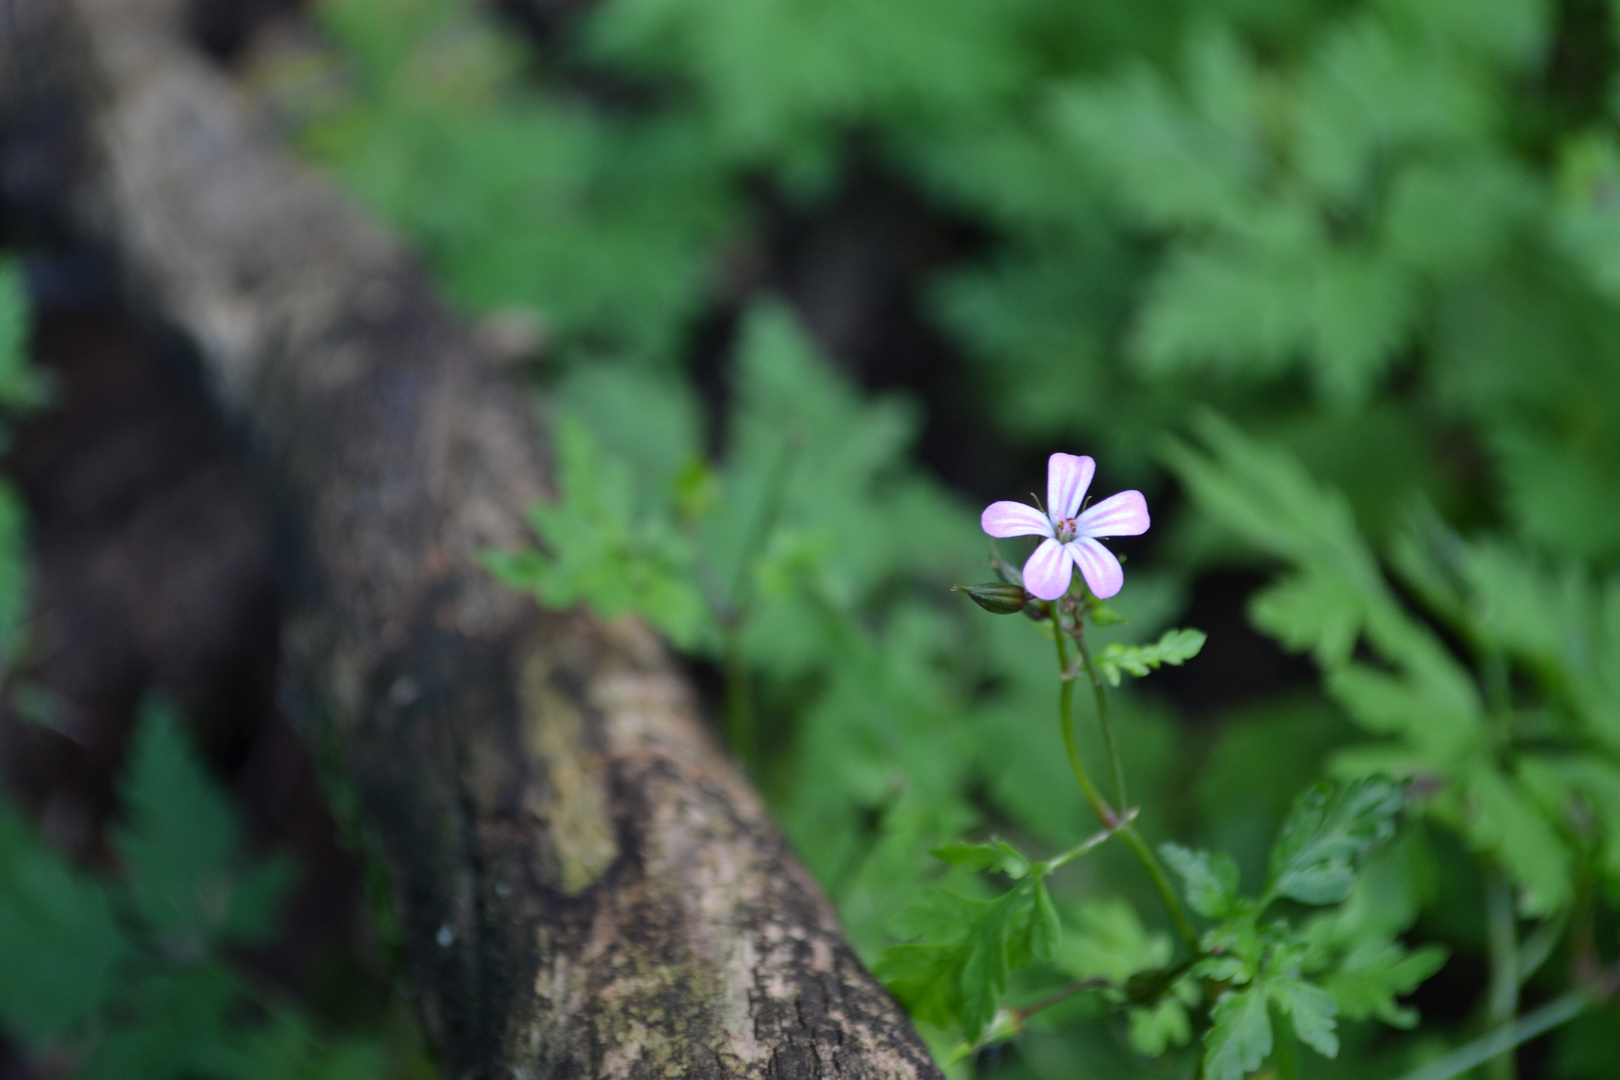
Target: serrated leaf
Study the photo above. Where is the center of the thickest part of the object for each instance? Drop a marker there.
(1175, 647)
(1311, 1009)
(1209, 879)
(1044, 928)
(1262, 494)
(1311, 611)
(62, 945)
(1313, 860)
(986, 964)
(1497, 816)
(180, 833)
(21, 387)
(956, 974)
(924, 978)
(1155, 1029)
(997, 855)
(1110, 942)
(600, 550)
(1376, 972)
(14, 591)
(1239, 1040)
(174, 1024)
(256, 899)
(1435, 707)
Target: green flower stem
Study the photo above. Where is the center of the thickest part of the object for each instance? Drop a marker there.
(1558, 1011)
(1096, 983)
(1009, 1023)
(1066, 715)
(1161, 884)
(1114, 821)
(1096, 840)
(1104, 718)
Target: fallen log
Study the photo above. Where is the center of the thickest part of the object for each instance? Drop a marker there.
(586, 884)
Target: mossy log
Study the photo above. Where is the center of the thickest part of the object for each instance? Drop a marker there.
(586, 885)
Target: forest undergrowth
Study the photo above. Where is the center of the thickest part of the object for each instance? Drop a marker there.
(1334, 286)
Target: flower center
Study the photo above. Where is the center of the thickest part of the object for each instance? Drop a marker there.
(1066, 530)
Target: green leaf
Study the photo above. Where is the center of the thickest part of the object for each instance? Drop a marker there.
(1175, 647)
(1311, 611)
(63, 948)
(1434, 705)
(1209, 879)
(930, 976)
(1264, 496)
(1313, 860)
(171, 1025)
(1312, 1011)
(14, 592)
(1376, 972)
(1156, 1029)
(1044, 929)
(21, 387)
(601, 552)
(179, 837)
(985, 965)
(289, 1048)
(1239, 1040)
(997, 855)
(256, 901)
(1498, 816)
(1110, 942)
(956, 974)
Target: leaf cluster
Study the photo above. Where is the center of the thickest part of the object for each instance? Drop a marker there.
(1514, 771)
(955, 974)
(1309, 975)
(1175, 648)
(133, 974)
(22, 389)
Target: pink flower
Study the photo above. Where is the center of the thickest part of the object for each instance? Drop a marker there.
(1071, 537)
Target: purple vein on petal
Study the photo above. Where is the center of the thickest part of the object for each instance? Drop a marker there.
(1067, 478)
(1125, 514)
(1004, 519)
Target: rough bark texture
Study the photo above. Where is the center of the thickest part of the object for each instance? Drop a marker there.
(586, 884)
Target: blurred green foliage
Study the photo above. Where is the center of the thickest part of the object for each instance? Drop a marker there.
(135, 975)
(1378, 235)
(135, 971)
(21, 389)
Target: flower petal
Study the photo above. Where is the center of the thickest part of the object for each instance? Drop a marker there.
(1014, 519)
(1047, 572)
(1124, 514)
(1097, 565)
(1067, 478)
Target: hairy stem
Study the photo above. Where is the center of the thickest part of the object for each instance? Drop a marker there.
(1161, 885)
(1092, 842)
(1115, 821)
(1061, 996)
(1066, 717)
(1104, 718)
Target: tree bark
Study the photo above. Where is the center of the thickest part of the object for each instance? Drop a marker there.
(586, 885)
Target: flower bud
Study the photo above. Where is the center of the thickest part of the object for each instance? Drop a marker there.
(998, 598)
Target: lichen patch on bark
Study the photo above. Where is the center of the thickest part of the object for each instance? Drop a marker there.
(570, 800)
